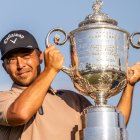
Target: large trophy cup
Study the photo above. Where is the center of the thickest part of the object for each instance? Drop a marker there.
(98, 69)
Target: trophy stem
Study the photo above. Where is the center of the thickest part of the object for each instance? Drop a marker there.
(101, 100)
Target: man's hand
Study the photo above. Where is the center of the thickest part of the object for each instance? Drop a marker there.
(134, 74)
(53, 58)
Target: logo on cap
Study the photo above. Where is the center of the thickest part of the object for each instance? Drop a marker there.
(11, 36)
(13, 41)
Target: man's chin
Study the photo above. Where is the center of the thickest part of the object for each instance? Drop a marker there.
(24, 83)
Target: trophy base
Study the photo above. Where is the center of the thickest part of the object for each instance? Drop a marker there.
(103, 123)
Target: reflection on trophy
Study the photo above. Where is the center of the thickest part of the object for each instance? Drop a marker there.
(98, 69)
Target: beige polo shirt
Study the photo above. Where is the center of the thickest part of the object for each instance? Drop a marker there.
(60, 121)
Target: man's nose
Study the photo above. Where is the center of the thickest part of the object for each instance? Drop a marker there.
(20, 62)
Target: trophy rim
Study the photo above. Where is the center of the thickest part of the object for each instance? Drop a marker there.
(98, 27)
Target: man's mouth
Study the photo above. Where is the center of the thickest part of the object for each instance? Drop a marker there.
(23, 73)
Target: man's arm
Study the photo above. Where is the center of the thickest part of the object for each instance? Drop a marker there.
(125, 103)
(29, 101)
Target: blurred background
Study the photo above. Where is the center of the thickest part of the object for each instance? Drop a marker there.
(39, 17)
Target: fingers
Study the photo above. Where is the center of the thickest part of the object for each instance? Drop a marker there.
(130, 73)
(53, 58)
(50, 47)
(134, 73)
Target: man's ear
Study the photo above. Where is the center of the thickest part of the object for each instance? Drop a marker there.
(40, 57)
(4, 66)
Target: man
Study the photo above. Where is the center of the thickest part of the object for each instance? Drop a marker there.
(30, 110)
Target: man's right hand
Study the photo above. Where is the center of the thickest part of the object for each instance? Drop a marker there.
(53, 58)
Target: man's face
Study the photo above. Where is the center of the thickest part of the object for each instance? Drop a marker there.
(23, 66)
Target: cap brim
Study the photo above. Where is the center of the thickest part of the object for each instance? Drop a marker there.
(15, 49)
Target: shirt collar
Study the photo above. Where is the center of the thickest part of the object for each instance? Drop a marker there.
(18, 89)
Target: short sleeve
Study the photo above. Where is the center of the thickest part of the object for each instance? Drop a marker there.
(6, 99)
(84, 102)
(76, 100)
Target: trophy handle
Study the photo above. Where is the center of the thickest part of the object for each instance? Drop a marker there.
(137, 45)
(56, 40)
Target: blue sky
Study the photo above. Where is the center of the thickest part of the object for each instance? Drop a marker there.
(39, 16)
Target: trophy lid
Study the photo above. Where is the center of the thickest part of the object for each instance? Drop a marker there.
(98, 16)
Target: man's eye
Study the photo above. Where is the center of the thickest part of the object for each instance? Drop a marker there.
(26, 56)
(11, 60)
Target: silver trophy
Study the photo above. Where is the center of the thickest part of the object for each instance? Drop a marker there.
(99, 57)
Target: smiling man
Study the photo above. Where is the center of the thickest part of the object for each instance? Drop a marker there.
(31, 110)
